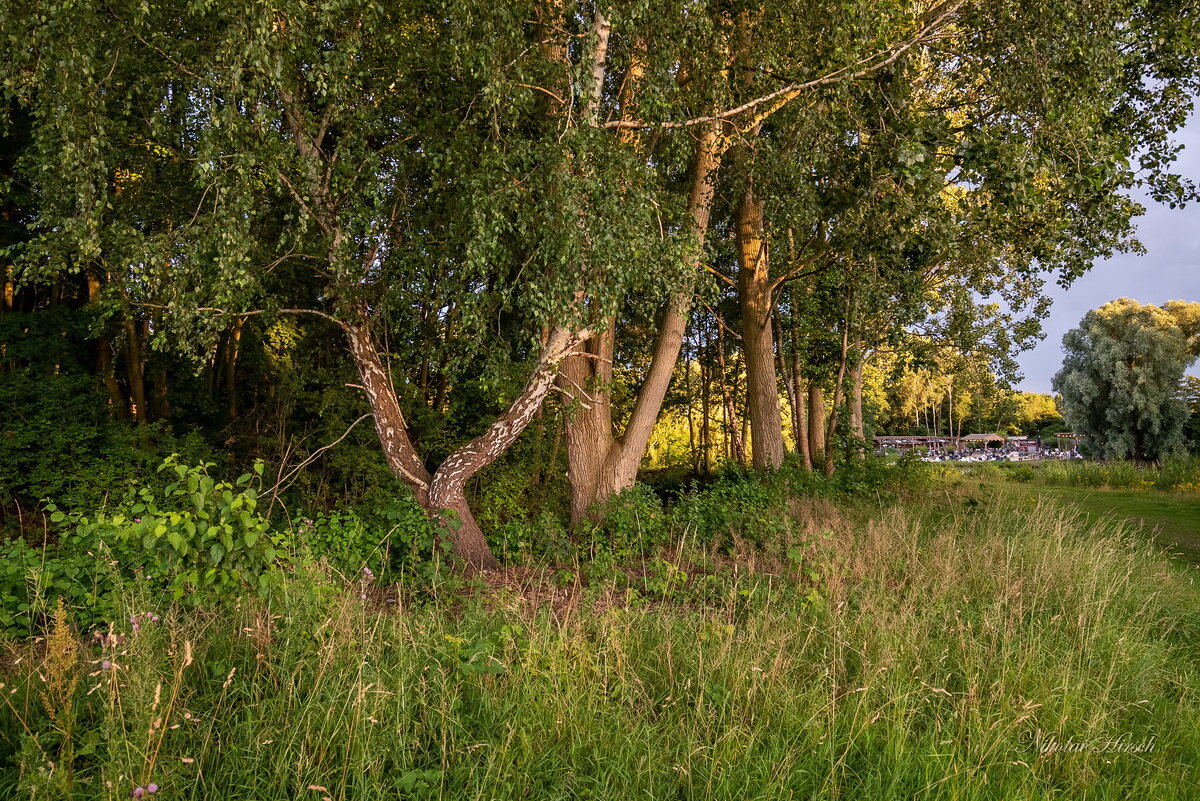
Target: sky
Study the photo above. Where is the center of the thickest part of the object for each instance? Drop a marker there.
(1169, 270)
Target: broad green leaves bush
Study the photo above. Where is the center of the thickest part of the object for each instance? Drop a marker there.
(196, 534)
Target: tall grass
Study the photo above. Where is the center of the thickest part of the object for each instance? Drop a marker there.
(947, 643)
(1180, 474)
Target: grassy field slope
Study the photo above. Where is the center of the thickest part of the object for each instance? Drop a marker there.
(960, 648)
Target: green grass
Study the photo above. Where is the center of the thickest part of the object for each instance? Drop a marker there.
(1162, 503)
(919, 654)
(1170, 519)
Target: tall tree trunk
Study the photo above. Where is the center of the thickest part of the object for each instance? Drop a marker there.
(601, 464)
(691, 422)
(754, 297)
(856, 406)
(104, 358)
(737, 451)
(839, 388)
(231, 359)
(816, 420)
(800, 420)
(706, 416)
(134, 368)
(587, 378)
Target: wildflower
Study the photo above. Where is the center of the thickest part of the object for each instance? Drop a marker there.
(106, 665)
(137, 519)
(152, 788)
(367, 572)
(362, 597)
(136, 627)
(138, 792)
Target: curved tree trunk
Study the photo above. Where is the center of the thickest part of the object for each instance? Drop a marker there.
(443, 494)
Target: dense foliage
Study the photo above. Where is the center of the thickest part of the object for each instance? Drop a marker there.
(1122, 379)
(530, 239)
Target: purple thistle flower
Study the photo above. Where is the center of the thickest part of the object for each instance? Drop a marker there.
(136, 627)
(152, 788)
(105, 665)
(138, 792)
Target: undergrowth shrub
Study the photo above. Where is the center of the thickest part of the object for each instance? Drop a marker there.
(383, 538)
(629, 524)
(738, 506)
(196, 535)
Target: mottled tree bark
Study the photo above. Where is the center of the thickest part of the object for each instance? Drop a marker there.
(443, 494)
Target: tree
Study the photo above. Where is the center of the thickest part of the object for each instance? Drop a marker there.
(1191, 389)
(1122, 378)
(954, 174)
(344, 162)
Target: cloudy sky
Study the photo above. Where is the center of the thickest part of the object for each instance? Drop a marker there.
(1169, 270)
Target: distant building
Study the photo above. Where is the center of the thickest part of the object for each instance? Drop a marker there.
(1068, 441)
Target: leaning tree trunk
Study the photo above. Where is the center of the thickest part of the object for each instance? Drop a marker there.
(448, 490)
(601, 464)
(754, 296)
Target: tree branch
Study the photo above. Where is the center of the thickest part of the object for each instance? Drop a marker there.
(250, 313)
(939, 15)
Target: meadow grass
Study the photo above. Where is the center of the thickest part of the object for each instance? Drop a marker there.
(926, 651)
(1175, 474)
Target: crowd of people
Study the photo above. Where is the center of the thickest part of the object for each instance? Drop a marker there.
(1004, 453)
